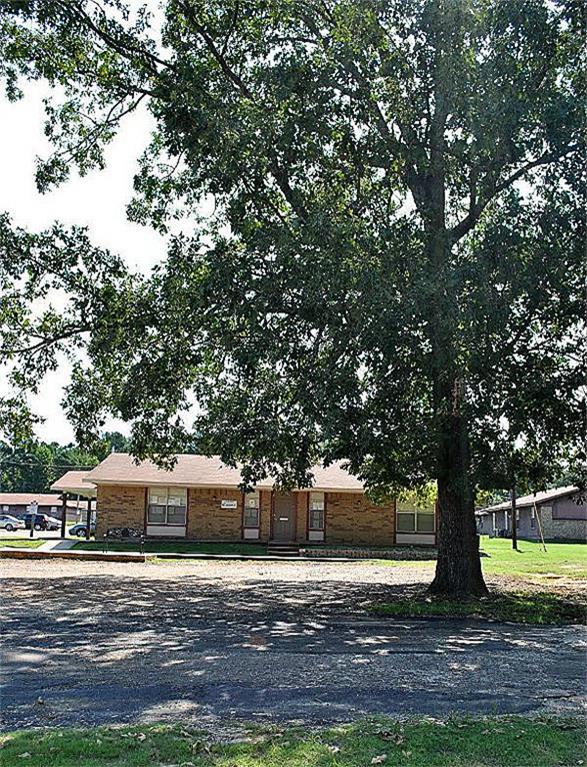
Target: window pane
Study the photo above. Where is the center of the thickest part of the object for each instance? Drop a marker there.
(252, 500)
(316, 519)
(251, 517)
(176, 515)
(425, 521)
(317, 501)
(406, 522)
(158, 496)
(156, 514)
(177, 496)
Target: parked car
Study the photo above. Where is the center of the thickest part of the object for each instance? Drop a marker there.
(10, 523)
(41, 522)
(80, 530)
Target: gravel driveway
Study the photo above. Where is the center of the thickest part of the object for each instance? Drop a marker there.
(93, 642)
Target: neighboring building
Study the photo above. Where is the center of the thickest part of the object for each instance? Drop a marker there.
(560, 513)
(201, 499)
(17, 504)
(79, 494)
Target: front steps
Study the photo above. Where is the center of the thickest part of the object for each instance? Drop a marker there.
(277, 549)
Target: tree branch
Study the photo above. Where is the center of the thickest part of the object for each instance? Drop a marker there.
(477, 208)
(45, 342)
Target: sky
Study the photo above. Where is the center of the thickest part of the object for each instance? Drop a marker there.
(97, 201)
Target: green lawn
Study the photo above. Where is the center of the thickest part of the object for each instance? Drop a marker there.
(177, 547)
(21, 543)
(548, 606)
(518, 607)
(563, 559)
(456, 742)
(568, 560)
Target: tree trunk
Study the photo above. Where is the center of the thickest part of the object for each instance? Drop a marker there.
(458, 568)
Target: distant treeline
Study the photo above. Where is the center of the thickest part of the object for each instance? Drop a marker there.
(34, 468)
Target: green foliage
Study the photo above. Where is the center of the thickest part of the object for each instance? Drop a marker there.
(397, 225)
(33, 466)
(422, 497)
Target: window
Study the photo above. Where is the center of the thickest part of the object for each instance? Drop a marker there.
(411, 520)
(167, 506)
(251, 514)
(316, 511)
(532, 519)
(406, 521)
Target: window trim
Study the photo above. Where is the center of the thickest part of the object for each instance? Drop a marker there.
(257, 494)
(416, 512)
(166, 488)
(323, 510)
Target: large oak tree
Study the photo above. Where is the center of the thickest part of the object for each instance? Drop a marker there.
(391, 270)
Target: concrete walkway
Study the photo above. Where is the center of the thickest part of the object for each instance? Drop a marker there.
(57, 545)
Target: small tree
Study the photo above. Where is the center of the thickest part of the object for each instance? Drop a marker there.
(397, 220)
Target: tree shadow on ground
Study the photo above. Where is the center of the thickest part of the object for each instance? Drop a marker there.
(108, 648)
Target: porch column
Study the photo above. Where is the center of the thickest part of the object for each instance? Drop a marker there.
(88, 518)
(63, 513)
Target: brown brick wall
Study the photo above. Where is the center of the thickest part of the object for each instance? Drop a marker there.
(353, 518)
(301, 516)
(265, 517)
(207, 521)
(119, 506)
(350, 517)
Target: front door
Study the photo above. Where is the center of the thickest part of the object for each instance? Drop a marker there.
(284, 505)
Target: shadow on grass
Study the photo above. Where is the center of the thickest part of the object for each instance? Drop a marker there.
(536, 607)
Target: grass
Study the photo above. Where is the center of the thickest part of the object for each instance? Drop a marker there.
(566, 561)
(455, 742)
(177, 547)
(21, 543)
(536, 607)
(560, 559)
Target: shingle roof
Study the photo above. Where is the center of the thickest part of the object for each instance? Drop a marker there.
(74, 482)
(203, 471)
(530, 500)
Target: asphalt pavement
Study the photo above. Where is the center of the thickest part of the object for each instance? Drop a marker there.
(159, 644)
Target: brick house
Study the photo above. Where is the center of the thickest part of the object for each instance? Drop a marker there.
(201, 499)
(17, 505)
(559, 514)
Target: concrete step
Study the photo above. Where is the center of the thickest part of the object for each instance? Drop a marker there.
(283, 549)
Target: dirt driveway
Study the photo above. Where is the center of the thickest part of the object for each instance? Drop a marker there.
(98, 642)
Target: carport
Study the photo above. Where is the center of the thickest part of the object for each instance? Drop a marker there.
(70, 485)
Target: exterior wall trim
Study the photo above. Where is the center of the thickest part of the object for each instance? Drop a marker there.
(145, 511)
